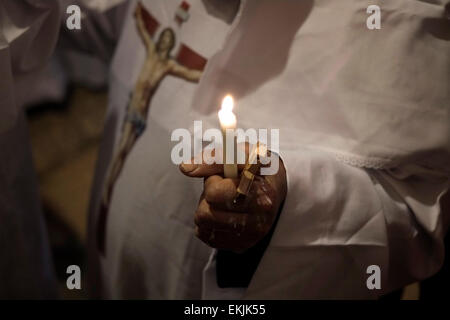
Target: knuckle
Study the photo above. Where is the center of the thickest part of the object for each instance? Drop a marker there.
(200, 218)
(210, 193)
(212, 188)
(203, 206)
(203, 216)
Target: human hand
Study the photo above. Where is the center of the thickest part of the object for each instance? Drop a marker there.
(222, 224)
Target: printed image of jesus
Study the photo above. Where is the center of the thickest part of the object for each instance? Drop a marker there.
(158, 63)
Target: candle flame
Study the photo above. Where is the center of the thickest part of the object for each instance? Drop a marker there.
(226, 116)
(227, 103)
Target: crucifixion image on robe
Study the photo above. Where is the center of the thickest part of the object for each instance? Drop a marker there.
(158, 64)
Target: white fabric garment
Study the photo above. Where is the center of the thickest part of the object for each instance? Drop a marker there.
(28, 33)
(344, 88)
(364, 135)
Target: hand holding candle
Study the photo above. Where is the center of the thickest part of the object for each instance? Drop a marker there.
(221, 222)
(222, 225)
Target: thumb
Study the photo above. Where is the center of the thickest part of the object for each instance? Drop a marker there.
(201, 170)
(198, 166)
(204, 165)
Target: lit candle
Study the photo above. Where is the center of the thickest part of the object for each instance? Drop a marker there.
(228, 121)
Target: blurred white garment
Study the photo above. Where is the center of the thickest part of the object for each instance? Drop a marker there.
(364, 135)
(29, 31)
(49, 86)
(367, 96)
(370, 99)
(28, 34)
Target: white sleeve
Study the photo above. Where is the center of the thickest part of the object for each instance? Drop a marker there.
(338, 220)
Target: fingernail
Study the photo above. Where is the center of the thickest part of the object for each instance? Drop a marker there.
(187, 167)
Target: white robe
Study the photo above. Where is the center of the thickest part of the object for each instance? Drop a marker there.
(29, 31)
(364, 135)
